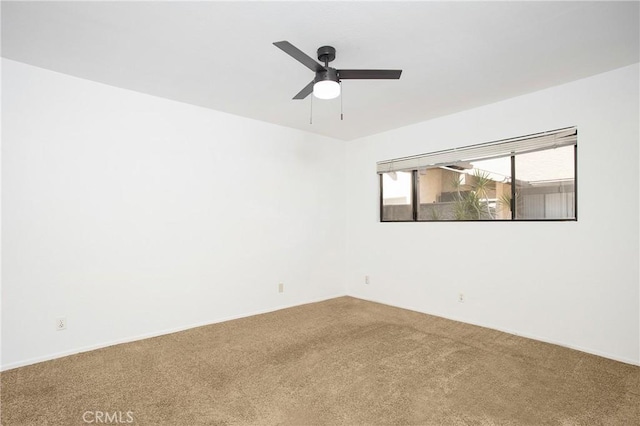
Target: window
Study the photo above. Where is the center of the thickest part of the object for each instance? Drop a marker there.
(397, 196)
(545, 188)
(526, 178)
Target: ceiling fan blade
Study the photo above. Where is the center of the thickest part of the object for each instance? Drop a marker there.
(299, 56)
(305, 92)
(369, 74)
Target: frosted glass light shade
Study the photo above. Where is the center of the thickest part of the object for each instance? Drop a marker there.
(326, 89)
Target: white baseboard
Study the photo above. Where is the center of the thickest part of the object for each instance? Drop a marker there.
(49, 357)
(506, 330)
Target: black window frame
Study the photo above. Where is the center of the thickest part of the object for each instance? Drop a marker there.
(416, 206)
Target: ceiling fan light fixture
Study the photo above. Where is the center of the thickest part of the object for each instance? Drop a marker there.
(326, 89)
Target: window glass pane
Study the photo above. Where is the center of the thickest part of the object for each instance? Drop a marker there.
(396, 196)
(545, 184)
(479, 190)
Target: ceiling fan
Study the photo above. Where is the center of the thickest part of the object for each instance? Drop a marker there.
(326, 84)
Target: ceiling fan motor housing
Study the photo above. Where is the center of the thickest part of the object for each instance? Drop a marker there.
(329, 74)
(327, 54)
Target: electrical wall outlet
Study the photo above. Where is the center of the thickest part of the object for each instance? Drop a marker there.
(61, 324)
(366, 279)
(280, 287)
(461, 297)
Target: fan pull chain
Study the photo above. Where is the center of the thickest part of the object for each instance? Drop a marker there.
(341, 115)
(311, 112)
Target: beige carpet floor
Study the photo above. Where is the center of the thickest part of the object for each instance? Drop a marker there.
(340, 362)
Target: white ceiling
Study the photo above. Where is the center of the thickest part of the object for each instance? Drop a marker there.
(454, 55)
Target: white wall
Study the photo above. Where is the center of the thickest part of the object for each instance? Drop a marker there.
(132, 215)
(571, 283)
